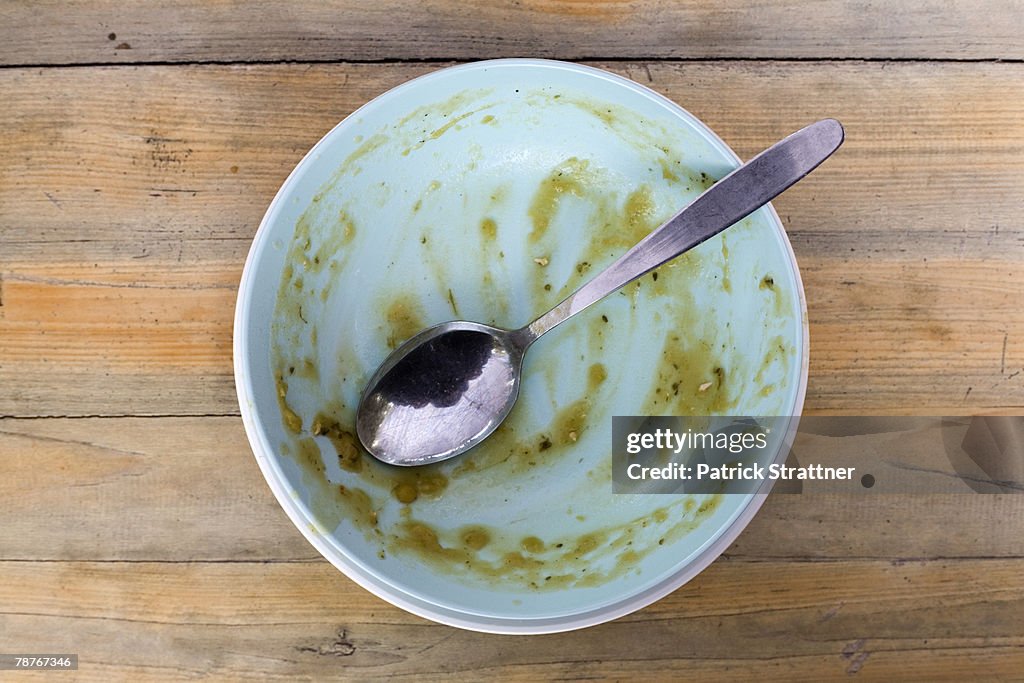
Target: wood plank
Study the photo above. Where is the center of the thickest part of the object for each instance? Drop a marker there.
(167, 489)
(772, 620)
(98, 337)
(189, 489)
(120, 141)
(906, 336)
(126, 143)
(126, 209)
(887, 336)
(95, 31)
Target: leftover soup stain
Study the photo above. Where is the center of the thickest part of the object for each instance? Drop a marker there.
(571, 177)
(347, 229)
(291, 419)
(598, 110)
(346, 444)
(403, 318)
(330, 503)
(350, 165)
(305, 368)
(726, 279)
(615, 224)
(475, 537)
(780, 302)
(448, 126)
(406, 484)
(640, 214)
(322, 239)
(703, 180)
(452, 303)
(690, 380)
(777, 353)
(532, 544)
(428, 113)
(589, 559)
(438, 132)
(669, 169)
(489, 229)
(570, 421)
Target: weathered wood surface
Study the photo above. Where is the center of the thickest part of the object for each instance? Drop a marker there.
(142, 143)
(130, 195)
(100, 31)
(923, 620)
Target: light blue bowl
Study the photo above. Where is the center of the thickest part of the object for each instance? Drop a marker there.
(488, 192)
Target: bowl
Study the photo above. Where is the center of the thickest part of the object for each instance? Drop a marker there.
(489, 192)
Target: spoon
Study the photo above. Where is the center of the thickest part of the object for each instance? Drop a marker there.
(446, 389)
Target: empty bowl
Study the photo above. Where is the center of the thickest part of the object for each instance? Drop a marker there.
(489, 192)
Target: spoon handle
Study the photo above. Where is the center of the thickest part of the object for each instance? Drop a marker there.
(732, 198)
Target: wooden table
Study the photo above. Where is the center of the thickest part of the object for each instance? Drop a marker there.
(140, 146)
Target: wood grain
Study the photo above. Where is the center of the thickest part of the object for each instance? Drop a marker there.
(189, 489)
(142, 143)
(910, 240)
(796, 621)
(98, 31)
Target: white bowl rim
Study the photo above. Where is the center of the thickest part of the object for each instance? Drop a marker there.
(264, 452)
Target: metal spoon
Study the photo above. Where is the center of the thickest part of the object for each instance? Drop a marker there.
(446, 389)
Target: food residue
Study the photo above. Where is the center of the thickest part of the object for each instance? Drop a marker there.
(317, 384)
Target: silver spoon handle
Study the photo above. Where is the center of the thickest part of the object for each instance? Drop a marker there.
(732, 198)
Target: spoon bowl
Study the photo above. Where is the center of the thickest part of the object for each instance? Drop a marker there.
(460, 379)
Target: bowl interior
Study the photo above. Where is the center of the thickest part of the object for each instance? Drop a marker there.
(489, 192)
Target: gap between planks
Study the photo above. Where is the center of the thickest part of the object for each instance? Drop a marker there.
(451, 60)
